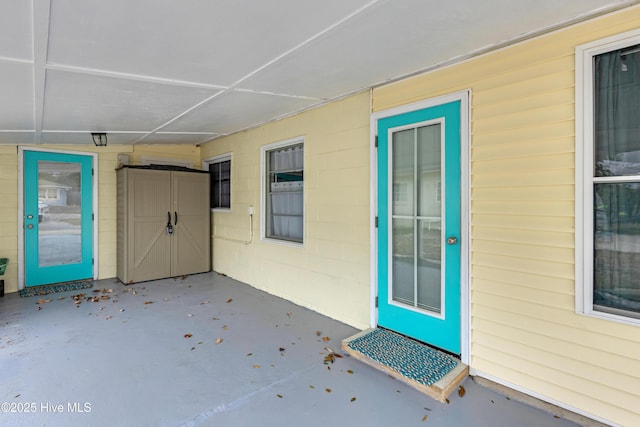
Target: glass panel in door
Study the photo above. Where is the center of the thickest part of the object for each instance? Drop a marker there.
(416, 217)
(59, 213)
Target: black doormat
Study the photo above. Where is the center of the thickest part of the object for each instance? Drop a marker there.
(32, 291)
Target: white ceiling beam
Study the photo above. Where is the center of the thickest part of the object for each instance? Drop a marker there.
(41, 12)
(130, 76)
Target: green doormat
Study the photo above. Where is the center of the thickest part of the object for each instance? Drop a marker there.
(405, 356)
(32, 291)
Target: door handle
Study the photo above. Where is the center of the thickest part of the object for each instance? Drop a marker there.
(452, 240)
(176, 218)
(169, 226)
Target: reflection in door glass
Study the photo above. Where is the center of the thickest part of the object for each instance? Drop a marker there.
(59, 203)
(416, 218)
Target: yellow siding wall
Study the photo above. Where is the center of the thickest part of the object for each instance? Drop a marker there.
(330, 273)
(524, 327)
(107, 162)
(9, 214)
(182, 152)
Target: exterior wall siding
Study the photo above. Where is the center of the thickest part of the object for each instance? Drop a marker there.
(9, 214)
(107, 191)
(169, 151)
(330, 273)
(524, 329)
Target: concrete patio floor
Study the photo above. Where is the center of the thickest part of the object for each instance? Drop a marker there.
(207, 350)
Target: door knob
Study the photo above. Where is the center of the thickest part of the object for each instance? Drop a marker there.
(452, 240)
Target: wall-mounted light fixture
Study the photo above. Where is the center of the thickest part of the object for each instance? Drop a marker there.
(99, 139)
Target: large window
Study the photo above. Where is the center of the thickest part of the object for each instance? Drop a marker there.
(608, 152)
(220, 171)
(283, 171)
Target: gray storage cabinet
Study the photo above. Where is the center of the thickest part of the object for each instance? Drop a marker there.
(163, 220)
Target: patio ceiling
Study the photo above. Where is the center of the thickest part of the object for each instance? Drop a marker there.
(161, 71)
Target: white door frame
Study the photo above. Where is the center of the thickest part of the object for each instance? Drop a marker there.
(21, 255)
(465, 215)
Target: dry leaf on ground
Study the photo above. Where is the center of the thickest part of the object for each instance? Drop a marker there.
(219, 340)
(332, 351)
(188, 335)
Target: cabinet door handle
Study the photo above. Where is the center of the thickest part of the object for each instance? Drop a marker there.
(169, 227)
(176, 218)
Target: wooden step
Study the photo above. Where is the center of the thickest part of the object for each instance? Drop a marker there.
(439, 390)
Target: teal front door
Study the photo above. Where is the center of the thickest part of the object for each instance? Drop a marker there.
(419, 224)
(58, 217)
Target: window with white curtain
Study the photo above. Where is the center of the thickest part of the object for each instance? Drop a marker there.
(608, 155)
(283, 170)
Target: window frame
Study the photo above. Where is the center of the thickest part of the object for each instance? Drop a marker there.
(584, 176)
(300, 140)
(220, 159)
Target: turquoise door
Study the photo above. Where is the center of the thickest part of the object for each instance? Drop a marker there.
(58, 217)
(419, 224)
